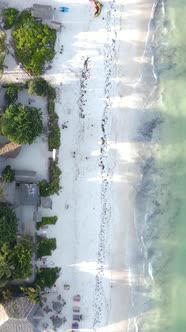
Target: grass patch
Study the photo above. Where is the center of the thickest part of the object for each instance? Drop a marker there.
(45, 246)
(47, 221)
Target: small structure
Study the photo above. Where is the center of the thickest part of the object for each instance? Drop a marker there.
(55, 25)
(20, 314)
(43, 12)
(28, 194)
(25, 176)
(9, 149)
(46, 202)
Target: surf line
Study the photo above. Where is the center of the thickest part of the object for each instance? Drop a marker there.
(148, 41)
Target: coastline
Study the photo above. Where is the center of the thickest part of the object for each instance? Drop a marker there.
(102, 82)
(129, 116)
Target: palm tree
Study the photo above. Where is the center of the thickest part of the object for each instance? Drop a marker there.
(34, 294)
(5, 268)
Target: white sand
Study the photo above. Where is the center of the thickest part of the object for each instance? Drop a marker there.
(99, 68)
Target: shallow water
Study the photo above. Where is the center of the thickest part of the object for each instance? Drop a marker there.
(162, 192)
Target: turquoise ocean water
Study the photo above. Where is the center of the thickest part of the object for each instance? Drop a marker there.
(163, 188)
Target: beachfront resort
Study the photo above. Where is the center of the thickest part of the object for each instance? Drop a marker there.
(35, 293)
(71, 105)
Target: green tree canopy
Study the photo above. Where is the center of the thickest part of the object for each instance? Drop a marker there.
(8, 225)
(46, 277)
(10, 15)
(34, 42)
(15, 261)
(6, 266)
(21, 124)
(38, 86)
(12, 93)
(21, 259)
(8, 174)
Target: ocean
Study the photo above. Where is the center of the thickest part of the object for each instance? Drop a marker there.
(160, 292)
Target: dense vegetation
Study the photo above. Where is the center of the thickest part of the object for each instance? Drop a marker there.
(10, 16)
(12, 93)
(33, 293)
(38, 87)
(47, 221)
(34, 42)
(54, 131)
(8, 225)
(46, 277)
(8, 174)
(2, 51)
(21, 258)
(53, 186)
(21, 124)
(45, 246)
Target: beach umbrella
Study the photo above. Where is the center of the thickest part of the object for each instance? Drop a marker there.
(57, 306)
(57, 322)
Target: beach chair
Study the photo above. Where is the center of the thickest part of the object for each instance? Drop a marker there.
(75, 326)
(64, 9)
(77, 298)
(66, 287)
(77, 317)
(76, 309)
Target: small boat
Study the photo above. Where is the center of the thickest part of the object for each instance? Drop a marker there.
(98, 7)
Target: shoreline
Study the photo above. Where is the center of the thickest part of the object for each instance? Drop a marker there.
(101, 99)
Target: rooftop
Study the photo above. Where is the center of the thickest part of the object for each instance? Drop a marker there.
(28, 194)
(42, 11)
(9, 149)
(20, 314)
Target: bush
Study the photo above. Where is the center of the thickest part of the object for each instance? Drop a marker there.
(53, 186)
(21, 124)
(53, 137)
(46, 277)
(45, 246)
(34, 42)
(8, 224)
(54, 176)
(51, 93)
(8, 174)
(44, 188)
(12, 93)
(21, 258)
(54, 131)
(32, 293)
(10, 15)
(47, 221)
(38, 86)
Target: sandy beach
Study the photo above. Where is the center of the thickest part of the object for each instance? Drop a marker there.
(97, 77)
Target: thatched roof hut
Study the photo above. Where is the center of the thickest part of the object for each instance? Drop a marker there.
(20, 314)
